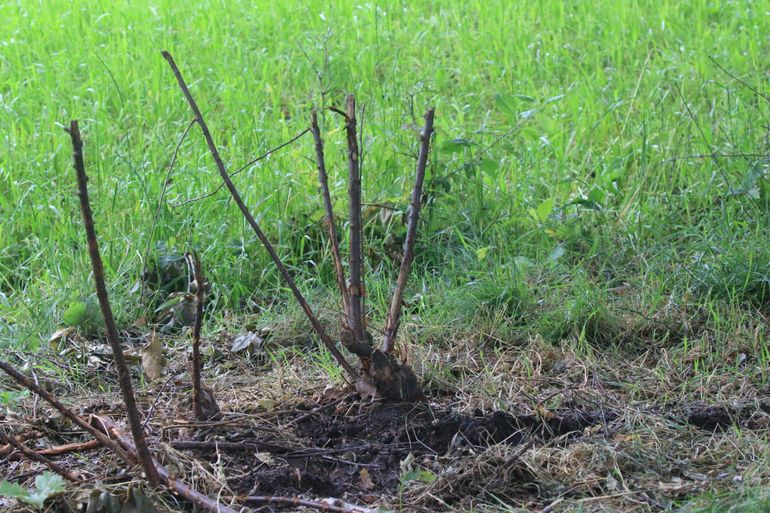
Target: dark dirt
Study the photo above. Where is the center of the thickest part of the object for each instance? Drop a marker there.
(329, 450)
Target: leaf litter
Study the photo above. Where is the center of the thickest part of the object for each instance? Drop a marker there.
(505, 432)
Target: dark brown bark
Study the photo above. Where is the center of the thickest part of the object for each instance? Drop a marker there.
(394, 313)
(327, 341)
(356, 289)
(124, 376)
(34, 456)
(331, 224)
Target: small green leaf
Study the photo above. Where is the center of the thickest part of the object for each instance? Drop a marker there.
(524, 98)
(505, 103)
(49, 483)
(46, 485)
(481, 253)
(13, 491)
(597, 196)
(527, 113)
(556, 254)
(489, 167)
(75, 314)
(544, 209)
(9, 397)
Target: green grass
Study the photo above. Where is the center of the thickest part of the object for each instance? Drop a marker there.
(600, 81)
(553, 208)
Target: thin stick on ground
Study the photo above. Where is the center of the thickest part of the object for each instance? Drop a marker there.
(328, 505)
(394, 312)
(124, 377)
(34, 456)
(355, 291)
(331, 225)
(325, 338)
(33, 387)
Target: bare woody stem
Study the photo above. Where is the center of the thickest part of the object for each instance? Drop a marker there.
(32, 455)
(195, 264)
(331, 225)
(325, 338)
(355, 291)
(394, 312)
(124, 377)
(36, 389)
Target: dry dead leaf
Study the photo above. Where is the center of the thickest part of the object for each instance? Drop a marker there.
(59, 336)
(153, 361)
(365, 479)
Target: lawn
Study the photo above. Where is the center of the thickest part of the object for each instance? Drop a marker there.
(594, 244)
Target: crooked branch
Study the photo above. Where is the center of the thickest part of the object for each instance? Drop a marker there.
(34, 456)
(36, 389)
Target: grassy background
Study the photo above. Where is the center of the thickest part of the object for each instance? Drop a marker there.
(575, 207)
(557, 204)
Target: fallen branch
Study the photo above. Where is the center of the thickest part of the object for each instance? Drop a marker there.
(33, 387)
(325, 338)
(124, 377)
(34, 456)
(331, 225)
(394, 313)
(60, 450)
(108, 427)
(236, 447)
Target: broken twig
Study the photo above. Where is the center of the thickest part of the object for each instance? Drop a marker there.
(195, 497)
(204, 404)
(33, 387)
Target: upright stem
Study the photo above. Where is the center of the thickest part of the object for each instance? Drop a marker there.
(327, 341)
(394, 313)
(195, 265)
(124, 377)
(356, 291)
(331, 225)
